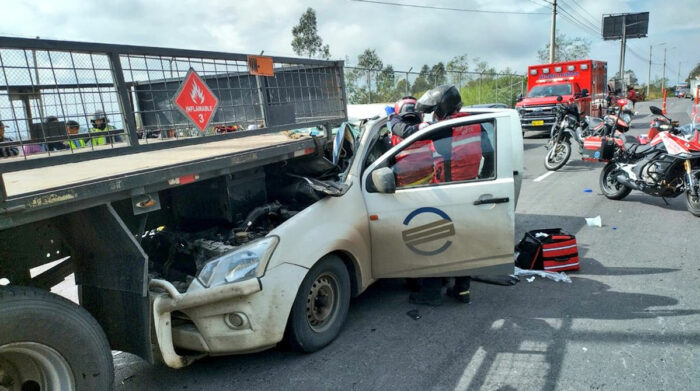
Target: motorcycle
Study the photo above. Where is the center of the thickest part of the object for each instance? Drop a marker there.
(568, 129)
(667, 166)
(563, 131)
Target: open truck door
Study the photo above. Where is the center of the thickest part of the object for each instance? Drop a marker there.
(459, 223)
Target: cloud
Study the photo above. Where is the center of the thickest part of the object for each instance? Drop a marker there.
(403, 37)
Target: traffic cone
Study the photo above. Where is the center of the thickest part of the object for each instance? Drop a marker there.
(663, 105)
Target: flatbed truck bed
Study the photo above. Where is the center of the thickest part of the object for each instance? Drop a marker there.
(39, 193)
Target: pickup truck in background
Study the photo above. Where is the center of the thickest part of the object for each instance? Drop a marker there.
(584, 81)
(186, 241)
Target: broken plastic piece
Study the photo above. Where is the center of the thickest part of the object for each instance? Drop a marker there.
(588, 190)
(531, 279)
(614, 228)
(594, 221)
(414, 314)
(559, 277)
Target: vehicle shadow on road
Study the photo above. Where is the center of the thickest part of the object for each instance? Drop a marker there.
(531, 336)
(677, 203)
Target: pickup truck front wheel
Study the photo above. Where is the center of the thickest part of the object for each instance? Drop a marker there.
(320, 307)
(50, 343)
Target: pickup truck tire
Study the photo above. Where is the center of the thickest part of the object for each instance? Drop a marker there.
(320, 307)
(50, 343)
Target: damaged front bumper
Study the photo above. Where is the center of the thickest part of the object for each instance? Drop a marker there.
(164, 303)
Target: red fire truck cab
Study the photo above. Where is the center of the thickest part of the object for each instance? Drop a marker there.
(584, 81)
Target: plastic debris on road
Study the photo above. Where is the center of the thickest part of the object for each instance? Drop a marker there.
(531, 279)
(558, 277)
(588, 190)
(594, 221)
(414, 314)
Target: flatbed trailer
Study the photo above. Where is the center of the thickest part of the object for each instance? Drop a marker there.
(88, 209)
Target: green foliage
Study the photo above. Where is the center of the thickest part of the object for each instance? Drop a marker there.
(374, 82)
(566, 49)
(694, 73)
(306, 40)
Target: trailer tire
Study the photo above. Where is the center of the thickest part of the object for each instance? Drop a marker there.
(320, 307)
(48, 342)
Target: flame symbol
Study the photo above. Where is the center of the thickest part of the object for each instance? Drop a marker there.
(196, 93)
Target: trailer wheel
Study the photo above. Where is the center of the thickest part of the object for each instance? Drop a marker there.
(320, 307)
(50, 343)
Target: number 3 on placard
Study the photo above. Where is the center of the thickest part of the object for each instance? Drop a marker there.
(201, 118)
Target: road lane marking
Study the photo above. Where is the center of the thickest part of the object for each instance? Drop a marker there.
(541, 177)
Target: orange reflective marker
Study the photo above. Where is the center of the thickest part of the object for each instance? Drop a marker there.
(373, 217)
(260, 66)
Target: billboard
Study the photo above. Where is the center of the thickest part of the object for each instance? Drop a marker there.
(637, 25)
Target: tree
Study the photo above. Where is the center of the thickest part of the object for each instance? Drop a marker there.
(306, 40)
(438, 75)
(457, 68)
(694, 73)
(359, 83)
(566, 49)
(386, 79)
(421, 84)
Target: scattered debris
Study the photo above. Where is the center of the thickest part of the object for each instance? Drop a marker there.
(414, 314)
(594, 221)
(588, 190)
(614, 228)
(556, 276)
(531, 279)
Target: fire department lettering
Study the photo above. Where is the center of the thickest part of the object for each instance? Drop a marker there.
(195, 100)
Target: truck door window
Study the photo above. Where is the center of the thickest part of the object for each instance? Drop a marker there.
(456, 154)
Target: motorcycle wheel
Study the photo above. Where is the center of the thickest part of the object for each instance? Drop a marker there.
(692, 203)
(610, 187)
(557, 156)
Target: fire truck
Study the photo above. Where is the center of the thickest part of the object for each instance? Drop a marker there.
(584, 81)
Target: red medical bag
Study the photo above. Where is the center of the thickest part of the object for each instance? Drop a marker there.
(551, 250)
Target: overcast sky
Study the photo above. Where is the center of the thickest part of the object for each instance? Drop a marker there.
(404, 37)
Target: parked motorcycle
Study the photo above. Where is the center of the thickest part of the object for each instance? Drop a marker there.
(667, 166)
(568, 129)
(563, 131)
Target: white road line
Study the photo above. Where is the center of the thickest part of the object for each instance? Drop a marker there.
(541, 177)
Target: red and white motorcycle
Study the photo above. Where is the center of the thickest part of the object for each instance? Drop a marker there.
(667, 166)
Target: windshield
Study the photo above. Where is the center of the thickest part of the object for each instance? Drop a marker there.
(549, 90)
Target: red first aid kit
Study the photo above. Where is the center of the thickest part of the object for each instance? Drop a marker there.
(551, 250)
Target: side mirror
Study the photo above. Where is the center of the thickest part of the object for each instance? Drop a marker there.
(584, 92)
(519, 97)
(655, 110)
(384, 181)
(559, 98)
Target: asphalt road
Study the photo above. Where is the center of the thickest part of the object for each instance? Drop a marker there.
(630, 320)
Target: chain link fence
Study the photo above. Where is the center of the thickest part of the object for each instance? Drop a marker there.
(380, 86)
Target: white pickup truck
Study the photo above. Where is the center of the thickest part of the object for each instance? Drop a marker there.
(201, 238)
(300, 277)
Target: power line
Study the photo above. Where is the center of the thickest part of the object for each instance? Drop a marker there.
(592, 20)
(580, 17)
(449, 8)
(583, 27)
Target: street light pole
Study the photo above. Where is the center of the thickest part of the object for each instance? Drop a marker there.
(552, 42)
(622, 52)
(663, 77)
(649, 74)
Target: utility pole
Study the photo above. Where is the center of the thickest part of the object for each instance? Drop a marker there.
(649, 75)
(622, 52)
(552, 42)
(663, 78)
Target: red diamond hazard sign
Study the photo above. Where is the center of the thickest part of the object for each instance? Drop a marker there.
(195, 100)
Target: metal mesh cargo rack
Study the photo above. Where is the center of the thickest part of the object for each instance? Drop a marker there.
(66, 102)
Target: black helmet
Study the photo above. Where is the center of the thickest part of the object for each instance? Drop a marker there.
(443, 100)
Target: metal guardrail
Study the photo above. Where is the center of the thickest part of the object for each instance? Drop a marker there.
(44, 84)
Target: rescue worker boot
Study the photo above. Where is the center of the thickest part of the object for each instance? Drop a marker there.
(460, 291)
(429, 294)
